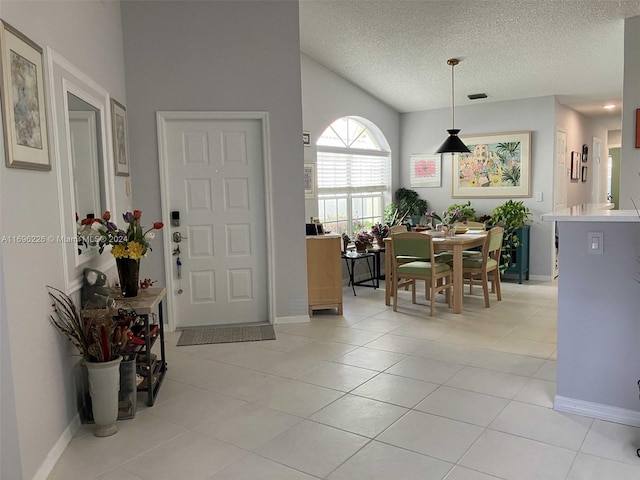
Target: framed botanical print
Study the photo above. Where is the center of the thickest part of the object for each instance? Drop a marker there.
(120, 138)
(499, 165)
(309, 180)
(23, 101)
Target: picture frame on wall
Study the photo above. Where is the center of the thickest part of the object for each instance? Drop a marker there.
(120, 136)
(425, 170)
(309, 180)
(24, 115)
(575, 165)
(583, 175)
(498, 166)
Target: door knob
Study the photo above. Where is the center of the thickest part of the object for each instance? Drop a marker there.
(177, 237)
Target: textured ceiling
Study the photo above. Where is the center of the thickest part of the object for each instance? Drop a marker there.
(509, 49)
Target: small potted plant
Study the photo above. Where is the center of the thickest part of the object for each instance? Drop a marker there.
(380, 232)
(363, 240)
(466, 212)
(448, 218)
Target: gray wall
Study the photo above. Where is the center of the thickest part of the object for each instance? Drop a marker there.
(630, 161)
(424, 132)
(89, 35)
(580, 131)
(598, 305)
(217, 56)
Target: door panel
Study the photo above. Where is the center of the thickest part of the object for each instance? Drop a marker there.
(215, 177)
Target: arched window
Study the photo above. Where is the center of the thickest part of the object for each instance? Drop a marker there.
(353, 169)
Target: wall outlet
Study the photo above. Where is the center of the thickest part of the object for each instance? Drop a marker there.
(595, 243)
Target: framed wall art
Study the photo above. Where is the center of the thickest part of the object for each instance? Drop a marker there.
(309, 180)
(499, 165)
(575, 165)
(23, 101)
(426, 170)
(120, 138)
(583, 176)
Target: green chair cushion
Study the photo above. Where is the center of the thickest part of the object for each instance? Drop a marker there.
(422, 268)
(472, 262)
(410, 258)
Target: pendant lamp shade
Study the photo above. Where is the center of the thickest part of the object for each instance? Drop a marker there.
(453, 144)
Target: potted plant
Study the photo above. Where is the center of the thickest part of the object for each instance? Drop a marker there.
(363, 240)
(465, 211)
(100, 336)
(380, 232)
(410, 205)
(512, 216)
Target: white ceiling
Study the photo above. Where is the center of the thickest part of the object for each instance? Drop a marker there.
(509, 49)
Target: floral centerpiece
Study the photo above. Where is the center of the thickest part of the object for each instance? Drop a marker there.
(448, 218)
(127, 246)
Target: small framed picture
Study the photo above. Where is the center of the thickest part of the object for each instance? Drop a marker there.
(425, 170)
(309, 180)
(120, 138)
(584, 174)
(24, 113)
(575, 165)
(306, 139)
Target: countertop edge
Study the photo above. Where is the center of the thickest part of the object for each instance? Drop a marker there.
(592, 213)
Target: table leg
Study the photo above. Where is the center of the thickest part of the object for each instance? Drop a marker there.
(458, 281)
(387, 275)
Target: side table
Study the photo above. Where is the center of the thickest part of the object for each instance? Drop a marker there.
(351, 258)
(152, 369)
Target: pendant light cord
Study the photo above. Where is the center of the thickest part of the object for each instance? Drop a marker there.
(453, 62)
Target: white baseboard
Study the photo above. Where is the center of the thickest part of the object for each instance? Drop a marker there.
(58, 448)
(597, 410)
(293, 319)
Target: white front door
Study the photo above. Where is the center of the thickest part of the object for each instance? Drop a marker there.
(214, 177)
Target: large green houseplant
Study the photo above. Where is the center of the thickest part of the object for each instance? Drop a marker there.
(407, 204)
(511, 215)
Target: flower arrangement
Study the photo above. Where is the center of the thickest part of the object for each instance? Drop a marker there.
(133, 243)
(99, 335)
(448, 218)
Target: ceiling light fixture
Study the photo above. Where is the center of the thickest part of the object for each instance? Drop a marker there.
(609, 106)
(453, 144)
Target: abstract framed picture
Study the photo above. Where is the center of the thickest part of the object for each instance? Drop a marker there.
(426, 170)
(575, 165)
(23, 101)
(120, 138)
(499, 165)
(309, 180)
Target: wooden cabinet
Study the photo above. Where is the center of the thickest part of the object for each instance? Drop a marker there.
(324, 273)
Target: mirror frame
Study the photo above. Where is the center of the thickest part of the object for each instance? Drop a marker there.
(65, 78)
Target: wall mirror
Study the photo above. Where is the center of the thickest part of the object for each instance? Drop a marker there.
(85, 172)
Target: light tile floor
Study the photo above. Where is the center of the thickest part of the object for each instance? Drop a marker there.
(374, 395)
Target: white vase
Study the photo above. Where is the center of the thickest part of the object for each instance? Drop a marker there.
(104, 385)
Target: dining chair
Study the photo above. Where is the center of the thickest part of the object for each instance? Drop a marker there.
(397, 229)
(476, 269)
(437, 276)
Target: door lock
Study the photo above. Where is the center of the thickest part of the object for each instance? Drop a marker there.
(177, 237)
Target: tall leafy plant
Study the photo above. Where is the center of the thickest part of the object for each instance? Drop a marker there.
(510, 215)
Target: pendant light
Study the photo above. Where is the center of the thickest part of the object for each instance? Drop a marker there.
(453, 144)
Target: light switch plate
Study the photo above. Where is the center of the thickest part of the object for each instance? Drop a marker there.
(595, 243)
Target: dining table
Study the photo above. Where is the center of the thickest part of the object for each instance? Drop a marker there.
(456, 244)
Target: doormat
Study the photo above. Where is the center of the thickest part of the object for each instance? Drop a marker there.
(205, 335)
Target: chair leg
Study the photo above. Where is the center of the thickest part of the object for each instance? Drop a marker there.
(485, 288)
(432, 288)
(394, 289)
(496, 282)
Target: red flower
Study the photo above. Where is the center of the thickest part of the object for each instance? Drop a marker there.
(106, 215)
(86, 221)
(137, 214)
(158, 225)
